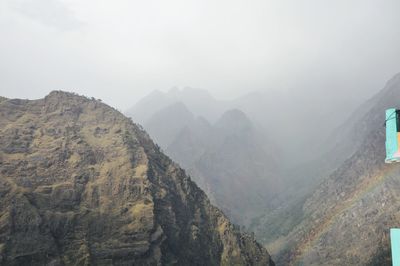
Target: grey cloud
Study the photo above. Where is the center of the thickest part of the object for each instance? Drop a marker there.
(53, 13)
(325, 52)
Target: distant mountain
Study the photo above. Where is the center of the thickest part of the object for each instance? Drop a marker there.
(191, 142)
(298, 124)
(198, 101)
(292, 144)
(149, 105)
(166, 123)
(229, 159)
(346, 220)
(239, 170)
(295, 122)
(80, 184)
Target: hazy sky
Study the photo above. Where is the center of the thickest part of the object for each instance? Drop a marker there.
(121, 50)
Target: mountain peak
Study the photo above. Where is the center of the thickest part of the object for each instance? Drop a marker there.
(63, 94)
(234, 119)
(165, 123)
(68, 98)
(234, 113)
(174, 113)
(177, 107)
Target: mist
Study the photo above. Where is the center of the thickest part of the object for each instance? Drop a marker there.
(323, 52)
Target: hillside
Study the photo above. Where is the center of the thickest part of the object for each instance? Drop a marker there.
(347, 219)
(81, 184)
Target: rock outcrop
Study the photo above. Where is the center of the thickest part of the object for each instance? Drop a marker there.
(80, 184)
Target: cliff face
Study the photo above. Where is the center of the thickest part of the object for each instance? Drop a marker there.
(81, 184)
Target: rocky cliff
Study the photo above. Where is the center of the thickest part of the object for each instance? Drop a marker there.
(80, 184)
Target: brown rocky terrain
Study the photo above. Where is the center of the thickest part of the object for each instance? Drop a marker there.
(80, 184)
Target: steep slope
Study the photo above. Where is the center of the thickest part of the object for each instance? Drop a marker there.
(348, 137)
(81, 184)
(347, 219)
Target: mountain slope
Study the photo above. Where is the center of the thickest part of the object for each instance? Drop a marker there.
(347, 219)
(81, 184)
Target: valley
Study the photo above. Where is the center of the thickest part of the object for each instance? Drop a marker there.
(345, 194)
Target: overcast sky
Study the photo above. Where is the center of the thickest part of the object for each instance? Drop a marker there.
(121, 50)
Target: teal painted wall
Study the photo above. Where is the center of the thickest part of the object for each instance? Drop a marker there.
(391, 134)
(395, 241)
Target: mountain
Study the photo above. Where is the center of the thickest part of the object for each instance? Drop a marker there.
(239, 168)
(149, 105)
(294, 121)
(348, 138)
(347, 218)
(199, 101)
(165, 124)
(292, 151)
(191, 142)
(229, 159)
(297, 123)
(81, 184)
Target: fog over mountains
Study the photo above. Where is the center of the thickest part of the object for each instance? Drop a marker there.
(224, 157)
(121, 51)
(197, 132)
(81, 182)
(298, 116)
(242, 162)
